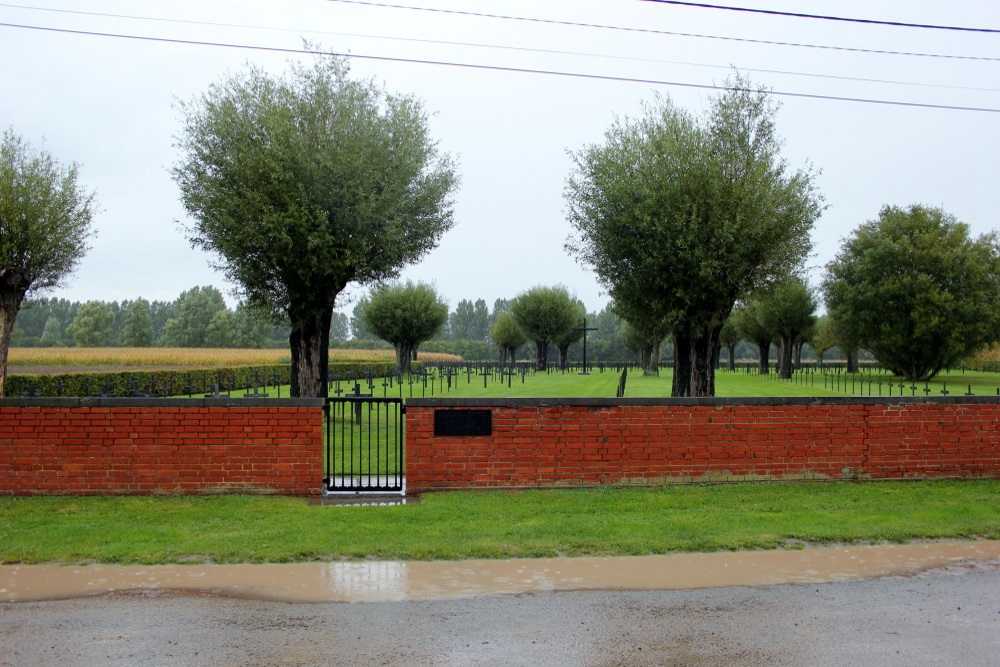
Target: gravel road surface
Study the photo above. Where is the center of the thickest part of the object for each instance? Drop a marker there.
(947, 616)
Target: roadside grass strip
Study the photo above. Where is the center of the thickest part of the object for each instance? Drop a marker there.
(494, 524)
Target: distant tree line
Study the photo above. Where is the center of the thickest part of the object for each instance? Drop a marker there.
(199, 317)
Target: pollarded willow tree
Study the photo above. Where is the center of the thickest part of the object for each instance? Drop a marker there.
(45, 222)
(749, 323)
(788, 311)
(644, 334)
(916, 290)
(683, 216)
(404, 315)
(545, 315)
(306, 182)
(507, 336)
(571, 336)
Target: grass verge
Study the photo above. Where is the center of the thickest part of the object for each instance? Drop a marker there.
(456, 525)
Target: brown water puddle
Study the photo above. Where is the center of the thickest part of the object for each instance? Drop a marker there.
(384, 581)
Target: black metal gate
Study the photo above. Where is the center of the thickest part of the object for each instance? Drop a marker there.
(364, 445)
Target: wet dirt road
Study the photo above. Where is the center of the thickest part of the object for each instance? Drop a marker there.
(946, 615)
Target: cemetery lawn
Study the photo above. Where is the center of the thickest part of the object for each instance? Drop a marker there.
(494, 524)
(598, 385)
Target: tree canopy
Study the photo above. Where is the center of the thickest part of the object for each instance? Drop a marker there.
(686, 215)
(45, 223)
(404, 315)
(306, 182)
(913, 288)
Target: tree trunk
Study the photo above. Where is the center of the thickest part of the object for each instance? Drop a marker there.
(310, 344)
(704, 356)
(764, 350)
(405, 351)
(654, 359)
(413, 353)
(541, 354)
(785, 358)
(852, 361)
(799, 343)
(13, 286)
(563, 356)
(682, 366)
(512, 355)
(503, 355)
(731, 352)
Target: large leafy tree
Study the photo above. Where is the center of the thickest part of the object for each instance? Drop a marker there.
(306, 182)
(137, 325)
(545, 314)
(684, 216)
(93, 325)
(916, 290)
(470, 321)
(788, 312)
(45, 222)
(405, 315)
(191, 315)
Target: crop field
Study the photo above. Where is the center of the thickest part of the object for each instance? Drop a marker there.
(82, 357)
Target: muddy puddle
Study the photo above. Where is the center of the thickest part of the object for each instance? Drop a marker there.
(383, 581)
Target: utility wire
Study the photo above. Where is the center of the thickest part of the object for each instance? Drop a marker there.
(773, 12)
(497, 68)
(651, 31)
(522, 49)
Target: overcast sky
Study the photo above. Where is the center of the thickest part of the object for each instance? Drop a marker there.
(108, 104)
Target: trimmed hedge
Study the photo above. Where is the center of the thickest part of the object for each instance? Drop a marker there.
(177, 382)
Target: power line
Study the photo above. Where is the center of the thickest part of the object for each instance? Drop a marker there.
(652, 31)
(500, 47)
(773, 12)
(497, 68)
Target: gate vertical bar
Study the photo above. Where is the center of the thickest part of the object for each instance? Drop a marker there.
(360, 455)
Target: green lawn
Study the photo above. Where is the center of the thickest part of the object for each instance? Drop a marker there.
(235, 529)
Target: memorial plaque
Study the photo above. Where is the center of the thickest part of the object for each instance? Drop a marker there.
(463, 422)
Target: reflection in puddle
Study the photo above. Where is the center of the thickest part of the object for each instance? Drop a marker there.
(384, 581)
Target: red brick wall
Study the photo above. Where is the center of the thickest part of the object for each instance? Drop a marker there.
(577, 442)
(137, 446)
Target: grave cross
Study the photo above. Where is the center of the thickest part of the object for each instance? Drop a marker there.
(357, 403)
(585, 329)
(257, 393)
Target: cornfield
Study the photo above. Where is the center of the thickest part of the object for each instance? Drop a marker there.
(987, 359)
(185, 357)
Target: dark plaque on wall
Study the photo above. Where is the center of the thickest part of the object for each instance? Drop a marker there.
(463, 422)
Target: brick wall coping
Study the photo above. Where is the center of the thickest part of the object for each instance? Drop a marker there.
(93, 402)
(445, 402)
